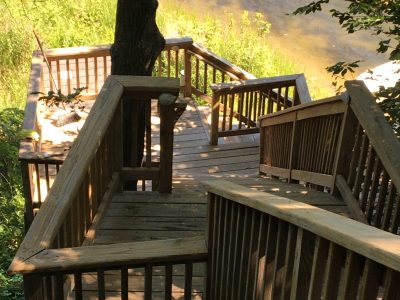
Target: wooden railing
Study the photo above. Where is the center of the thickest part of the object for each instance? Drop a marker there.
(89, 66)
(344, 146)
(106, 155)
(300, 143)
(262, 246)
(92, 172)
(236, 106)
(206, 68)
(71, 68)
(87, 272)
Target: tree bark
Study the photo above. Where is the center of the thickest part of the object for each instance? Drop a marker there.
(137, 44)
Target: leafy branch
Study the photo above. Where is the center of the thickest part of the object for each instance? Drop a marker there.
(56, 99)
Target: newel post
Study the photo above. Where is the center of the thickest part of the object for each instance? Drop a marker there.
(214, 119)
(26, 172)
(187, 92)
(167, 122)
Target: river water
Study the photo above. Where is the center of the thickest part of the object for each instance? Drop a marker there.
(315, 41)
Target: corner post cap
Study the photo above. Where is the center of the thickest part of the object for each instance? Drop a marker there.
(167, 99)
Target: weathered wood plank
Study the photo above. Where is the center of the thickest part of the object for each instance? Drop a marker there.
(116, 255)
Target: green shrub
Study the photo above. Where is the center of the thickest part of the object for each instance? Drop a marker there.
(11, 200)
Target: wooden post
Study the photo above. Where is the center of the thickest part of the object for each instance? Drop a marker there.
(167, 117)
(346, 142)
(28, 193)
(118, 141)
(33, 287)
(188, 75)
(214, 119)
(294, 150)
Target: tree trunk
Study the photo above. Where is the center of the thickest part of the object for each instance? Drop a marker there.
(137, 44)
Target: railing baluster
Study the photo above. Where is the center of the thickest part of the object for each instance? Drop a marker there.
(270, 257)
(318, 268)
(188, 280)
(389, 207)
(59, 83)
(177, 63)
(392, 279)
(68, 77)
(374, 189)
(78, 285)
(101, 289)
(370, 280)
(77, 69)
(124, 283)
(289, 262)
(148, 282)
(351, 276)
(205, 82)
(380, 204)
(168, 63)
(168, 281)
(87, 83)
(302, 264)
(336, 257)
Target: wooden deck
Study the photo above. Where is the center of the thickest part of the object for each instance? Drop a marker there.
(145, 215)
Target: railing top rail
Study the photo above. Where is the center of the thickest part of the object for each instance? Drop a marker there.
(220, 62)
(304, 106)
(378, 245)
(63, 53)
(378, 130)
(278, 81)
(67, 183)
(269, 82)
(113, 255)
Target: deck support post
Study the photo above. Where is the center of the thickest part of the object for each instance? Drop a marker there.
(345, 147)
(167, 122)
(28, 192)
(188, 75)
(33, 287)
(214, 120)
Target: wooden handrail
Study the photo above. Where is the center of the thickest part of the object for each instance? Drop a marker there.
(304, 106)
(81, 52)
(370, 242)
(113, 255)
(378, 130)
(44, 227)
(260, 83)
(219, 62)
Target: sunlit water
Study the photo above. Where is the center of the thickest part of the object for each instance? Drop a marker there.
(315, 41)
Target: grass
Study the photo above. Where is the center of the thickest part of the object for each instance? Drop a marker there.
(242, 40)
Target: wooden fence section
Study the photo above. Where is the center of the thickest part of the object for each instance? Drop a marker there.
(345, 146)
(300, 143)
(263, 246)
(236, 106)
